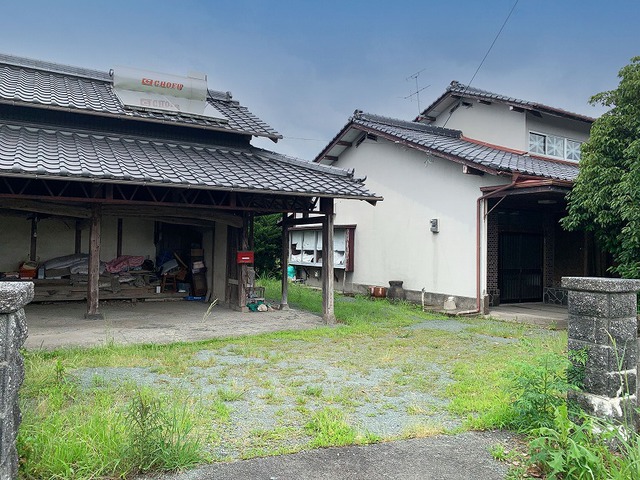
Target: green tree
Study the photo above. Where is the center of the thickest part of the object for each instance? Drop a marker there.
(606, 195)
(267, 237)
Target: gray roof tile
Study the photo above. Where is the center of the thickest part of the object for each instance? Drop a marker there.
(454, 144)
(457, 88)
(60, 86)
(26, 150)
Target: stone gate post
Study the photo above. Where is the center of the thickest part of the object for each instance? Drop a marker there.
(13, 332)
(603, 320)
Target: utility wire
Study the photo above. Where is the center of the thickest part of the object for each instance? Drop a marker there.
(484, 58)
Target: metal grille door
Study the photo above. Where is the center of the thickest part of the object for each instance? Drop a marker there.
(520, 267)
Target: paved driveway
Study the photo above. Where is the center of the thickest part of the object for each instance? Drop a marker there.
(59, 325)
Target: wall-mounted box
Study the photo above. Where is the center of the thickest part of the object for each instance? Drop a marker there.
(434, 225)
(244, 257)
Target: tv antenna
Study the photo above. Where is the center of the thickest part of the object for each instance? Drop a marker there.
(418, 89)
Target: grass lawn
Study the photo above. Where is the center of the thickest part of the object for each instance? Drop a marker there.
(385, 372)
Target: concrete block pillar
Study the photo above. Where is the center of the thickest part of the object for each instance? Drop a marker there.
(13, 332)
(603, 321)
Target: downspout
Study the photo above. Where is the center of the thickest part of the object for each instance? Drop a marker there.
(481, 199)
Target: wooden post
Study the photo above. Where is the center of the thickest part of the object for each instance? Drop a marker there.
(34, 238)
(78, 246)
(284, 302)
(252, 243)
(326, 207)
(94, 265)
(243, 273)
(119, 239)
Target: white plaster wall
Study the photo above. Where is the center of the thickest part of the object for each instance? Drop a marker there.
(137, 238)
(392, 239)
(56, 237)
(494, 124)
(558, 126)
(15, 242)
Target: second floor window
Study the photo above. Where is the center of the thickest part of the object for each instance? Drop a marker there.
(554, 146)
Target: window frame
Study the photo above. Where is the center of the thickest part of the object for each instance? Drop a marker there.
(565, 141)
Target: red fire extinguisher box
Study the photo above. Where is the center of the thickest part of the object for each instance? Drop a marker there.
(245, 257)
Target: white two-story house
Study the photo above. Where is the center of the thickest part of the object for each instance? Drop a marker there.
(474, 190)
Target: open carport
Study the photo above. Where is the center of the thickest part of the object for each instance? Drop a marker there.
(53, 326)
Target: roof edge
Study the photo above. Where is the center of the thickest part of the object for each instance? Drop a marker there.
(52, 67)
(457, 88)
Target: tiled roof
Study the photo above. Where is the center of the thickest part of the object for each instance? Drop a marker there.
(52, 85)
(451, 143)
(457, 88)
(31, 150)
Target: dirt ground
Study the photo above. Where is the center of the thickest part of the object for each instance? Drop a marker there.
(58, 325)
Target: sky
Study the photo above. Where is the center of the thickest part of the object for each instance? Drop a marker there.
(305, 66)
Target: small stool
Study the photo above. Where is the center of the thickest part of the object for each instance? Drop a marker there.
(169, 281)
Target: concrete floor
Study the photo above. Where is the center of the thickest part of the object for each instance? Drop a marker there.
(63, 324)
(58, 325)
(535, 313)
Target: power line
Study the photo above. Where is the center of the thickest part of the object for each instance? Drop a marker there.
(485, 56)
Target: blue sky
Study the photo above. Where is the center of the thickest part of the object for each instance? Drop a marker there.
(304, 66)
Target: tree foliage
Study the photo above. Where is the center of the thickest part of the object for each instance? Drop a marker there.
(606, 196)
(267, 237)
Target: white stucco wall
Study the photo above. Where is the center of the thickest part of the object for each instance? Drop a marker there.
(494, 124)
(137, 238)
(15, 242)
(393, 240)
(498, 125)
(56, 237)
(562, 127)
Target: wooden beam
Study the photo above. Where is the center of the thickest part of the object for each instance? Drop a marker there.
(284, 305)
(177, 213)
(47, 207)
(328, 314)
(290, 222)
(94, 266)
(343, 143)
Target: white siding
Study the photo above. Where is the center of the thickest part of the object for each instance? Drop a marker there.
(393, 240)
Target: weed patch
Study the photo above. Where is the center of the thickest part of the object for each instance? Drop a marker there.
(387, 371)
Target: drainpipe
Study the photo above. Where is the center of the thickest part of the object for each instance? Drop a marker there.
(514, 179)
